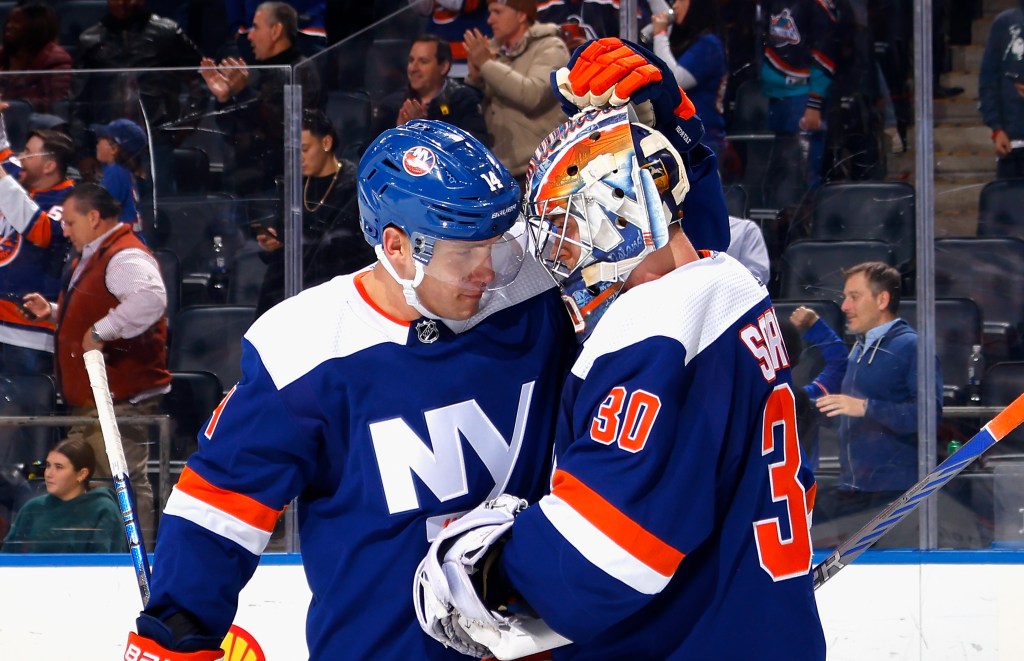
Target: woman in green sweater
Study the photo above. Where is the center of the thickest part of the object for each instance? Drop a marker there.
(71, 517)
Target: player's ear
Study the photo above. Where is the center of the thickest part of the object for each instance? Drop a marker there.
(398, 250)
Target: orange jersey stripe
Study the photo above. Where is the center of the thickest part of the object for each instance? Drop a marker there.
(241, 507)
(361, 288)
(618, 527)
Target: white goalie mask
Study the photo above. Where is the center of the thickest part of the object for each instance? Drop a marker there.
(602, 190)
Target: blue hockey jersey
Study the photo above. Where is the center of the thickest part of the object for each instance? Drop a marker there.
(384, 430)
(677, 524)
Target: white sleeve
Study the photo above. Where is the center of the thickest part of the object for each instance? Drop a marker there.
(16, 205)
(134, 278)
(664, 51)
(747, 246)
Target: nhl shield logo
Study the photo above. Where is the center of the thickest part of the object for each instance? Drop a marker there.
(426, 331)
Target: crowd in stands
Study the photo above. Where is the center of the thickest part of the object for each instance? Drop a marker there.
(795, 96)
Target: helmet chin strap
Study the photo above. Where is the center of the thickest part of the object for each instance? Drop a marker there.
(408, 286)
(409, 290)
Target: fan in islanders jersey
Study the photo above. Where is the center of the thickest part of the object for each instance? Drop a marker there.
(388, 401)
(677, 522)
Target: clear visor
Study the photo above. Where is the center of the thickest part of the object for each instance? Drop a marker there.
(479, 265)
(555, 233)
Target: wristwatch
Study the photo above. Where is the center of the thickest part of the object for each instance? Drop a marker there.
(95, 336)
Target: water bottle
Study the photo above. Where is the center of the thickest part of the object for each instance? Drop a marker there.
(975, 370)
(218, 272)
(953, 446)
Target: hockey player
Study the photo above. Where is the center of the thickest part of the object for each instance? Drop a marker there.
(677, 524)
(388, 401)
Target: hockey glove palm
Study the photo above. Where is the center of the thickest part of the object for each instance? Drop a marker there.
(447, 602)
(611, 71)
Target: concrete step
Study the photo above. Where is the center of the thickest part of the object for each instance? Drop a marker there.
(981, 27)
(967, 58)
(965, 162)
(961, 109)
(992, 7)
(959, 191)
(965, 79)
(960, 137)
(955, 223)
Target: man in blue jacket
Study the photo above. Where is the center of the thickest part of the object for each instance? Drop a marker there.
(1001, 91)
(877, 408)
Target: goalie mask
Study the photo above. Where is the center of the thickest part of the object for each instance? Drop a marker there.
(457, 204)
(602, 190)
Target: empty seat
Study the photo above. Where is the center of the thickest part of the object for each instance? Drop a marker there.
(957, 329)
(186, 226)
(814, 269)
(736, 201)
(999, 208)
(193, 396)
(245, 279)
(208, 338)
(1003, 383)
(170, 269)
(77, 15)
(751, 109)
(191, 170)
(386, 62)
(989, 271)
(30, 394)
(350, 114)
(877, 210)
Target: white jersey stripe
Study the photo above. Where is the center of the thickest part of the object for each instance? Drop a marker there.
(599, 549)
(250, 538)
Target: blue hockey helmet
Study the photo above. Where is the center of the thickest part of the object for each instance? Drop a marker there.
(439, 184)
(602, 190)
(433, 180)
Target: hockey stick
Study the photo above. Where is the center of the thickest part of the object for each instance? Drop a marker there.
(997, 428)
(97, 369)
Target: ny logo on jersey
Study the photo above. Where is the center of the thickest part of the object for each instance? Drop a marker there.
(491, 178)
(401, 452)
(765, 342)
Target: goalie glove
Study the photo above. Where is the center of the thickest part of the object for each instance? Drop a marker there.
(448, 606)
(613, 72)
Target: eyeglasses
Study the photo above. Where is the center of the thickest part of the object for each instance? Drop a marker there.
(23, 155)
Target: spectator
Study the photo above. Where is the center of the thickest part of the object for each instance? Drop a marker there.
(892, 26)
(30, 44)
(1001, 91)
(513, 70)
(311, 33)
(877, 408)
(72, 517)
(449, 20)
(797, 66)
(431, 94)
(746, 245)
(332, 241)
(690, 45)
(811, 330)
(130, 36)
(32, 249)
(120, 146)
(250, 105)
(114, 302)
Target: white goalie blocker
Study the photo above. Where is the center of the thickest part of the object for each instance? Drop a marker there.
(446, 601)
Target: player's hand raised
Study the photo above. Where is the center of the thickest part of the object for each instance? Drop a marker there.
(612, 72)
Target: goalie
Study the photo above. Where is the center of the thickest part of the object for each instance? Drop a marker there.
(677, 523)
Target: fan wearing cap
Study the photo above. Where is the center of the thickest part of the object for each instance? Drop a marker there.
(119, 147)
(512, 69)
